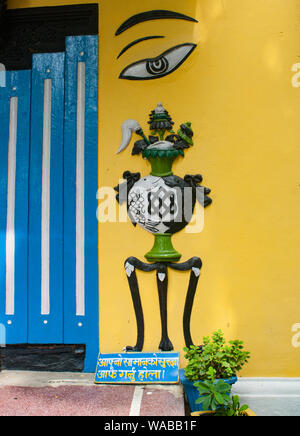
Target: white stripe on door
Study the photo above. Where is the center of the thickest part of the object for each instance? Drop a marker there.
(11, 193)
(80, 278)
(45, 234)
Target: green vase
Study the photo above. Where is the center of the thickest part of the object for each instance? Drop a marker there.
(163, 250)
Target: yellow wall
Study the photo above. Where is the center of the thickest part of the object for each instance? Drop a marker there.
(236, 89)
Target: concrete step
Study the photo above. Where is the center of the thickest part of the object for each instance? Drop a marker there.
(270, 396)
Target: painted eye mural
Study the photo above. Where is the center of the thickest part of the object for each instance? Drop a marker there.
(160, 66)
(165, 63)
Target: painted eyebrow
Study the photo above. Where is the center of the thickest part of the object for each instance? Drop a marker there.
(136, 42)
(152, 15)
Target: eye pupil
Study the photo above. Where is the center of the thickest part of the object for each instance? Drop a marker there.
(158, 66)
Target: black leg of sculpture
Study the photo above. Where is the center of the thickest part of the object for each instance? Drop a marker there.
(162, 286)
(195, 266)
(136, 299)
(131, 264)
(188, 309)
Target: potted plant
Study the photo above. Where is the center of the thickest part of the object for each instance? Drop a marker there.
(216, 401)
(234, 408)
(215, 358)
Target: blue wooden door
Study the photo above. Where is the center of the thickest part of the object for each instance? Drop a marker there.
(45, 259)
(14, 170)
(80, 189)
(55, 293)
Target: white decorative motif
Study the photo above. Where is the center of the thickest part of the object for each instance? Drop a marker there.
(128, 127)
(161, 145)
(161, 228)
(196, 271)
(159, 109)
(153, 204)
(129, 269)
(161, 276)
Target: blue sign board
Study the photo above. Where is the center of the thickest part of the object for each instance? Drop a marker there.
(134, 368)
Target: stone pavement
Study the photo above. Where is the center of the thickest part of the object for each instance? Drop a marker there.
(75, 394)
(25, 393)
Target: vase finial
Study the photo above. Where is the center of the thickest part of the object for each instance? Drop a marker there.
(159, 109)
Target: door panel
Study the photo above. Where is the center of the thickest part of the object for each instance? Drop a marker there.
(14, 165)
(45, 269)
(48, 185)
(80, 188)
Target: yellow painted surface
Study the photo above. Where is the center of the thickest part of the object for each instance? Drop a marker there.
(236, 89)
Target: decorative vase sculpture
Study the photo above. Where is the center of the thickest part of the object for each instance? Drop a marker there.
(163, 204)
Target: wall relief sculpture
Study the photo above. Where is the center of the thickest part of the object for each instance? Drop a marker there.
(162, 204)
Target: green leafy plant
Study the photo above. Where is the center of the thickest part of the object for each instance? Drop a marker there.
(233, 408)
(213, 394)
(215, 397)
(226, 359)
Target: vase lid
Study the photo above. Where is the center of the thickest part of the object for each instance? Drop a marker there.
(161, 145)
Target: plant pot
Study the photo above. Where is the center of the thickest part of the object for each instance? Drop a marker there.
(192, 393)
(247, 412)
